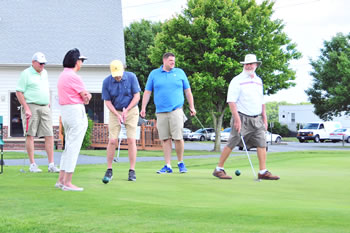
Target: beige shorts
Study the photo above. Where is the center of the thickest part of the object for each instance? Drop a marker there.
(40, 123)
(131, 124)
(252, 130)
(170, 124)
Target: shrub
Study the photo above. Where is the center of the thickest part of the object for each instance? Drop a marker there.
(280, 129)
(87, 139)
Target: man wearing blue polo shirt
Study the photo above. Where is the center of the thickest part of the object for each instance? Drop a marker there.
(121, 93)
(169, 84)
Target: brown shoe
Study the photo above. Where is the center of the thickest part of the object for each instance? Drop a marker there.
(268, 176)
(221, 174)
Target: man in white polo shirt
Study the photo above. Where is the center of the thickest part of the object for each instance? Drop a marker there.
(246, 101)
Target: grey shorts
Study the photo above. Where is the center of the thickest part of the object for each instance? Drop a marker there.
(40, 124)
(252, 130)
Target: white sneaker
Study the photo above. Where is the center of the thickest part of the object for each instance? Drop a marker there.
(34, 168)
(58, 185)
(66, 188)
(53, 169)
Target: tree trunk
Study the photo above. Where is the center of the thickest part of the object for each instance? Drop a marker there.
(218, 118)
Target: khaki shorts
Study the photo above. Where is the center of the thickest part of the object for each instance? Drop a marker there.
(40, 124)
(252, 130)
(130, 124)
(170, 124)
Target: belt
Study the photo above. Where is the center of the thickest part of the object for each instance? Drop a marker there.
(39, 104)
(255, 116)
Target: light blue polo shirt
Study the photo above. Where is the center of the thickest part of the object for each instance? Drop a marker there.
(120, 93)
(168, 88)
(35, 86)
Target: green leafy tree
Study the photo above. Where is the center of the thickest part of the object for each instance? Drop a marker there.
(139, 36)
(209, 40)
(330, 92)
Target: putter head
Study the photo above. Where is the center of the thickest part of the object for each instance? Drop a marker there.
(257, 180)
(115, 159)
(22, 170)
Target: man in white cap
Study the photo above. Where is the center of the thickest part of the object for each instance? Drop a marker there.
(121, 93)
(33, 93)
(246, 101)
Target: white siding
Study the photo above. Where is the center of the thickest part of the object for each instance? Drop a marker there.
(8, 78)
(92, 78)
(304, 114)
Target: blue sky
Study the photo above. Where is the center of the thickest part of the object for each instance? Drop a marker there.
(308, 24)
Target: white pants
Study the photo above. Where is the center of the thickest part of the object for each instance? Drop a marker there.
(75, 123)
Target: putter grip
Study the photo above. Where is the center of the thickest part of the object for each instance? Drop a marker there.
(27, 125)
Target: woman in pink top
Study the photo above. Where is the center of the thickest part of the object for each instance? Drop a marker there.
(72, 97)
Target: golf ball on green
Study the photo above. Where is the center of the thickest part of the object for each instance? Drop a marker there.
(238, 172)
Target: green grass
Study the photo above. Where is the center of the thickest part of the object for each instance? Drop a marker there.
(290, 139)
(312, 196)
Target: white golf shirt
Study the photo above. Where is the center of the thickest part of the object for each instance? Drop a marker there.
(247, 93)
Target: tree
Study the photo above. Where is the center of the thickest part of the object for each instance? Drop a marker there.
(209, 40)
(330, 92)
(139, 36)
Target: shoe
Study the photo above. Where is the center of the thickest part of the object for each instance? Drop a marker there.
(66, 188)
(132, 175)
(34, 168)
(165, 169)
(268, 176)
(182, 168)
(58, 185)
(221, 174)
(53, 169)
(108, 176)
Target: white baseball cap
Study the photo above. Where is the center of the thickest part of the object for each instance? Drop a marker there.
(39, 57)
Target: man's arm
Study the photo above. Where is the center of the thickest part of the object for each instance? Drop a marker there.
(236, 119)
(264, 117)
(145, 99)
(86, 96)
(113, 110)
(190, 101)
(132, 104)
(23, 102)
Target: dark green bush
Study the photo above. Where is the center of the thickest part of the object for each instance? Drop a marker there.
(280, 129)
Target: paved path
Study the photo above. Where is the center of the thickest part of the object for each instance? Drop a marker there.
(85, 159)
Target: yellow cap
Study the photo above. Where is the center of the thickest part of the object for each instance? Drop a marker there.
(117, 68)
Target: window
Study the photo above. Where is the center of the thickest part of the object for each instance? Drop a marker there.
(16, 128)
(95, 108)
(293, 117)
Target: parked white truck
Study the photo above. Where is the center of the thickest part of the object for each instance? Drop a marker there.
(317, 131)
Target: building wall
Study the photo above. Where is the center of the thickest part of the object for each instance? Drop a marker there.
(304, 114)
(9, 76)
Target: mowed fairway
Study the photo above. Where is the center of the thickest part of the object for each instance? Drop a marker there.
(313, 195)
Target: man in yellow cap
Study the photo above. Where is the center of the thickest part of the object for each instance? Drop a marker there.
(121, 93)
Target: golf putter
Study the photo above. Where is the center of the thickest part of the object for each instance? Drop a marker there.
(116, 159)
(199, 121)
(24, 158)
(246, 151)
(120, 140)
